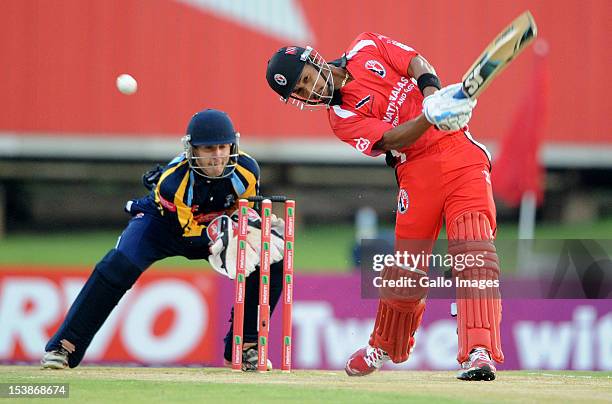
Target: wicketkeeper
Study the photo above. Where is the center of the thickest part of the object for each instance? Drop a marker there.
(189, 212)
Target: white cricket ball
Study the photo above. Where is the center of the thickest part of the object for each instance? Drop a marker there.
(126, 84)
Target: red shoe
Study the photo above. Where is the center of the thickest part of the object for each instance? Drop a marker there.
(478, 367)
(365, 361)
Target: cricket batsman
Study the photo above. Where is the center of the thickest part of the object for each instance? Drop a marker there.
(190, 212)
(383, 97)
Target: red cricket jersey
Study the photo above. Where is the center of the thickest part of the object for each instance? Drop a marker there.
(380, 96)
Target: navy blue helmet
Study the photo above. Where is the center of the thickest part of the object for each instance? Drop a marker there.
(285, 68)
(208, 128)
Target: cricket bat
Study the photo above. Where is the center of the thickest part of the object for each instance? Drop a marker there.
(497, 55)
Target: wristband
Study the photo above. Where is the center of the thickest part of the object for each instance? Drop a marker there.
(428, 80)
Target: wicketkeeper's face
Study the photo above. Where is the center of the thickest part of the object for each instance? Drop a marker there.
(211, 160)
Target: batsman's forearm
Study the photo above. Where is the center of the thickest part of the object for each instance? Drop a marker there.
(419, 66)
(403, 135)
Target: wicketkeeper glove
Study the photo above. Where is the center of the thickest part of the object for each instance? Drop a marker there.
(223, 248)
(277, 243)
(445, 111)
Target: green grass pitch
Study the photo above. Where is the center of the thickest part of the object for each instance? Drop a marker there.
(162, 385)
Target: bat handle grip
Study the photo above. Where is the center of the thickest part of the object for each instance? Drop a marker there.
(460, 95)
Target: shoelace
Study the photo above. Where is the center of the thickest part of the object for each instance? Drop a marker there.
(374, 357)
(479, 353)
(61, 351)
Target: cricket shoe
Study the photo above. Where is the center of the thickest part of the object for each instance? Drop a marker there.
(365, 361)
(250, 358)
(56, 359)
(478, 367)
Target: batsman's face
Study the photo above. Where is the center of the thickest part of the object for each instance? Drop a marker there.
(311, 84)
(212, 159)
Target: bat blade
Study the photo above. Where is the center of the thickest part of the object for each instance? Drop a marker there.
(498, 54)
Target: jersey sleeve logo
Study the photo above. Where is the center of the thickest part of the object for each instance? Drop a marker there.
(376, 67)
(280, 79)
(362, 144)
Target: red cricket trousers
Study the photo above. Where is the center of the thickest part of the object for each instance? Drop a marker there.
(445, 180)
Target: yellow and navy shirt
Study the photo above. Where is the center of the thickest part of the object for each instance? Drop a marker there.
(192, 201)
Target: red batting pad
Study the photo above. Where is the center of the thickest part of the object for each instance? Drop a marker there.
(478, 310)
(396, 323)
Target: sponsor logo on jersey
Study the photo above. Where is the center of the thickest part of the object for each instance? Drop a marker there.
(204, 218)
(363, 102)
(402, 201)
(291, 50)
(362, 144)
(169, 206)
(280, 79)
(376, 67)
(398, 95)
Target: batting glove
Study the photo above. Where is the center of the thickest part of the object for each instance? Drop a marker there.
(445, 111)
